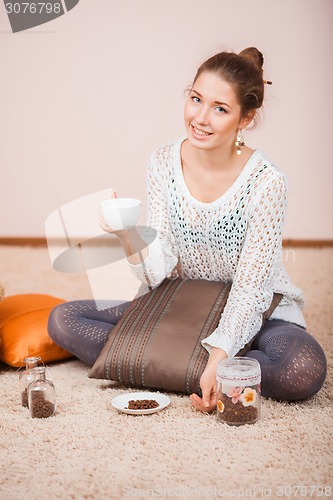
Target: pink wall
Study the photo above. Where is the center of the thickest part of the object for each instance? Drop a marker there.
(87, 97)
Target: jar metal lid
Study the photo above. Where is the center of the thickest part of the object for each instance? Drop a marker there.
(241, 370)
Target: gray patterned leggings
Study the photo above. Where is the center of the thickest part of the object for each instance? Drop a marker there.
(293, 364)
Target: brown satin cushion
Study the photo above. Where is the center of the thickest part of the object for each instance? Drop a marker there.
(23, 329)
(157, 343)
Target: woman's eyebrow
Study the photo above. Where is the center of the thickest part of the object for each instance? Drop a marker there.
(215, 102)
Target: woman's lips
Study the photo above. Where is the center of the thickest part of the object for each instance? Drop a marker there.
(199, 134)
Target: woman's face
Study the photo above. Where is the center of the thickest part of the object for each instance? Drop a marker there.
(212, 113)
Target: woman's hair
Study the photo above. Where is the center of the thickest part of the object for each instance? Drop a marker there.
(243, 72)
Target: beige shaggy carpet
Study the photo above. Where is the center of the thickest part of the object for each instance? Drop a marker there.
(89, 451)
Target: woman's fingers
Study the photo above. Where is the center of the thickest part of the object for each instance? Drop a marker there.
(198, 403)
(101, 221)
(195, 401)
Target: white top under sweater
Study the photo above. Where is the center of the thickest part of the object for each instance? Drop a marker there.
(237, 238)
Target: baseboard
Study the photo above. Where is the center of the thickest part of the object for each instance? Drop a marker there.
(289, 242)
(42, 242)
(23, 241)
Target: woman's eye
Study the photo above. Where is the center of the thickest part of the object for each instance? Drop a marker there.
(219, 109)
(195, 98)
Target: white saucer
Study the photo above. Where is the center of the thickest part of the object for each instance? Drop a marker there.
(121, 402)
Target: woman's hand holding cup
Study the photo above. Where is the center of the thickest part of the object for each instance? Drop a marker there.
(101, 220)
(119, 214)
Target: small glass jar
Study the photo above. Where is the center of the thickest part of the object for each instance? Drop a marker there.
(26, 377)
(238, 391)
(41, 394)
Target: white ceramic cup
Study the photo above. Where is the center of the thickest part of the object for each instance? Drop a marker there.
(121, 213)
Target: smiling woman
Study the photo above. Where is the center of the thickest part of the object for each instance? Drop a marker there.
(218, 208)
(225, 94)
(211, 128)
(206, 118)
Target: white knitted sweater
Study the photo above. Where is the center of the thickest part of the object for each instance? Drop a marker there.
(237, 238)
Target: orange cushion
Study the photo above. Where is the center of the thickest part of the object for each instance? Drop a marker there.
(23, 329)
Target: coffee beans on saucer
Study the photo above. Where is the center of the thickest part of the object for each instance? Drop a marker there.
(142, 404)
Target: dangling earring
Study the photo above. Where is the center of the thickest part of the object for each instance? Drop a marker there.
(239, 143)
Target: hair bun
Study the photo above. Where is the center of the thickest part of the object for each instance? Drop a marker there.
(254, 55)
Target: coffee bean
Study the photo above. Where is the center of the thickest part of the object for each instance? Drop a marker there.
(39, 406)
(142, 404)
(237, 413)
(24, 398)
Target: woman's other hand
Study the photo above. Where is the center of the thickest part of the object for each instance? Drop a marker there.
(208, 383)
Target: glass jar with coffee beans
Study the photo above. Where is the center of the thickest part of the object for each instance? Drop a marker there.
(26, 377)
(238, 391)
(41, 394)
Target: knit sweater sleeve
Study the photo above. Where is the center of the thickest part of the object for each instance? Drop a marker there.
(252, 288)
(163, 252)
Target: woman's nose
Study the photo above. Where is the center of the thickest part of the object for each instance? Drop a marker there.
(202, 115)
